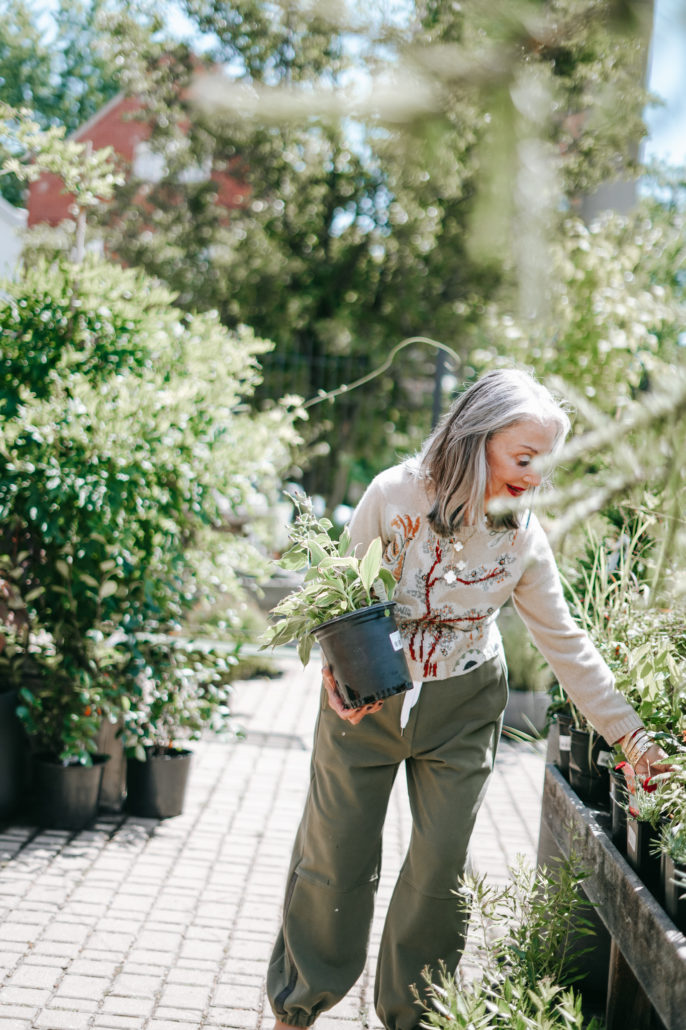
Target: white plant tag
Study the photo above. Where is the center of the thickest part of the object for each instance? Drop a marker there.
(631, 835)
(605, 759)
(395, 640)
(565, 743)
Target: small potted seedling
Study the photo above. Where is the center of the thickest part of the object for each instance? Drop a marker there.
(344, 604)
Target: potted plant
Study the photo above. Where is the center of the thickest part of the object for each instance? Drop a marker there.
(64, 696)
(590, 759)
(180, 691)
(560, 721)
(526, 939)
(345, 604)
(671, 846)
(643, 830)
(13, 743)
(619, 803)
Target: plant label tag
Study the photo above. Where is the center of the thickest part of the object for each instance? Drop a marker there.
(395, 640)
(631, 835)
(565, 743)
(605, 759)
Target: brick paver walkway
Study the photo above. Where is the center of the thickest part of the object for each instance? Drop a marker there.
(168, 925)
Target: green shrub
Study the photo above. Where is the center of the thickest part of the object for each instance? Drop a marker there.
(123, 438)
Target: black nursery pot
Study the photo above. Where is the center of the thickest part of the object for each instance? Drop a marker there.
(14, 756)
(365, 654)
(589, 766)
(156, 788)
(564, 726)
(640, 840)
(65, 797)
(619, 799)
(674, 904)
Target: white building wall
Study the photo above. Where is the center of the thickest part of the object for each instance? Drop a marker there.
(12, 224)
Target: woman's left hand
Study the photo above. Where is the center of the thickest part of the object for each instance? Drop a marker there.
(655, 760)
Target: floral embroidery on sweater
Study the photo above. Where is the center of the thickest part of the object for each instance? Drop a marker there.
(439, 627)
(406, 529)
(482, 575)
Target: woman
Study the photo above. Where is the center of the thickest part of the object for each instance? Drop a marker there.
(455, 566)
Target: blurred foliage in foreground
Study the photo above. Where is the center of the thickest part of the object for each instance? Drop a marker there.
(389, 160)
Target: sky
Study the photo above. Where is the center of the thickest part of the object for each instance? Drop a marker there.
(667, 78)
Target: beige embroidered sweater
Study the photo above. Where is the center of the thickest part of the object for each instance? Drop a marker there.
(450, 590)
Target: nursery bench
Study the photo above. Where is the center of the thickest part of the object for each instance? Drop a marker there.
(644, 955)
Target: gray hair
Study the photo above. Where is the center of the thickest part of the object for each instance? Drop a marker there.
(454, 456)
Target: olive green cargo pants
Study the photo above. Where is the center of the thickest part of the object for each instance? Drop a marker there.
(448, 747)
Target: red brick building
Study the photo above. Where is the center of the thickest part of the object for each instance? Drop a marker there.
(115, 125)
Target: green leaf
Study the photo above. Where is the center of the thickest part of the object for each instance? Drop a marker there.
(305, 645)
(387, 579)
(63, 568)
(371, 564)
(317, 553)
(108, 588)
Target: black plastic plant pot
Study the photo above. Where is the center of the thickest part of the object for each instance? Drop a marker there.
(365, 654)
(14, 755)
(640, 842)
(564, 727)
(65, 797)
(619, 799)
(589, 766)
(675, 904)
(156, 788)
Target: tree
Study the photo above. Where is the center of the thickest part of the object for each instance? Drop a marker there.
(63, 78)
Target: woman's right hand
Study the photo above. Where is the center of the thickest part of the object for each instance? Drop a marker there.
(351, 715)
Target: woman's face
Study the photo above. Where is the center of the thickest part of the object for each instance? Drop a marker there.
(510, 454)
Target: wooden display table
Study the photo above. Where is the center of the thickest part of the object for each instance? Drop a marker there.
(646, 971)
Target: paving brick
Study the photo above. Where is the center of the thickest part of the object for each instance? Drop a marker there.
(133, 985)
(18, 1012)
(74, 986)
(237, 996)
(184, 996)
(109, 1021)
(59, 1001)
(230, 1018)
(186, 1017)
(94, 964)
(119, 1005)
(35, 976)
(20, 933)
(61, 1019)
(33, 996)
(148, 925)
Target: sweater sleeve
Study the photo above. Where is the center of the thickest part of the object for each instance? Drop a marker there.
(576, 662)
